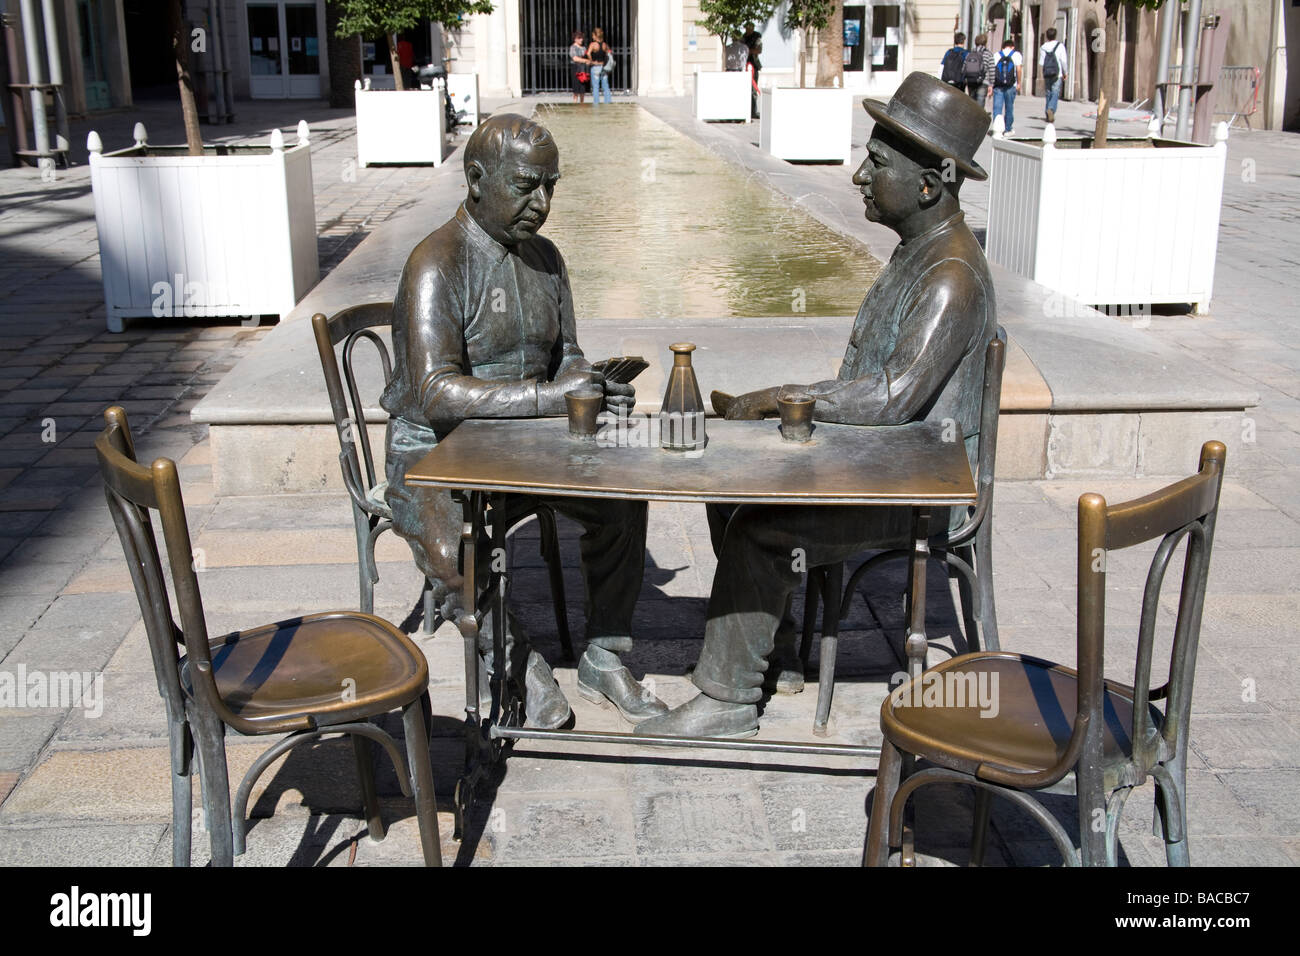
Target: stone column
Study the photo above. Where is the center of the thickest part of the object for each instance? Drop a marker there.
(492, 62)
(661, 80)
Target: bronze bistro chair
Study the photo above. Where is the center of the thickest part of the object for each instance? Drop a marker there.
(304, 677)
(967, 552)
(1061, 729)
(370, 512)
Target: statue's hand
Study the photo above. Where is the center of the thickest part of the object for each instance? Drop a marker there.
(620, 396)
(550, 396)
(753, 405)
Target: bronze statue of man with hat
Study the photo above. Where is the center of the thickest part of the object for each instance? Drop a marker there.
(483, 327)
(916, 353)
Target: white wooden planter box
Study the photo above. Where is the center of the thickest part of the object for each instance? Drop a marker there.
(228, 233)
(400, 127)
(807, 125)
(463, 89)
(722, 96)
(1129, 225)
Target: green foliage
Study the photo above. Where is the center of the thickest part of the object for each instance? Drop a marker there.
(371, 18)
(727, 18)
(809, 15)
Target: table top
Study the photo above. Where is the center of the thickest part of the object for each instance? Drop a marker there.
(743, 462)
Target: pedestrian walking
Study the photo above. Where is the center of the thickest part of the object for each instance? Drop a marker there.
(952, 67)
(1007, 73)
(1052, 62)
(978, 69)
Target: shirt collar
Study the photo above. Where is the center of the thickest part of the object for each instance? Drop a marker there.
(479, 237)
(925, 238)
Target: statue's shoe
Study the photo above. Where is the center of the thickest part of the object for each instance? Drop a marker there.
(703, 716)
(784, 672)
(544, 702)
(602, 679)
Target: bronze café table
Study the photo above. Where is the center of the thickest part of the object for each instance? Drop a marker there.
(484, 460)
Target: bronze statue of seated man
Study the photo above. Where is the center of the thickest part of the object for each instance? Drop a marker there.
(483, 327)
(916, 353)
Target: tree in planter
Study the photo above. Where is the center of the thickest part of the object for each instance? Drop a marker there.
(726, 19)
(391, 17)
(823, 19)
(181, 53)
(1110, 64)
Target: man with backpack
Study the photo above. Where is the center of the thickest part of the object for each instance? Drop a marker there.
(954, 63)
(977, 69)
(1052, 59)
(1006, 83)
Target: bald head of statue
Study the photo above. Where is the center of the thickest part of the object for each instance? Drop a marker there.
(511, 167)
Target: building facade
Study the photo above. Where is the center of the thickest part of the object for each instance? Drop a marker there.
(112, 52)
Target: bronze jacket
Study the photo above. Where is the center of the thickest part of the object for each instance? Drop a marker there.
(477, 326)
(917, 347)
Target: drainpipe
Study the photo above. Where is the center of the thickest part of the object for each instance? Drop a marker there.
(1168, 16)
(216, 86)
(56, 73)
(1191, 39)
(35, 76)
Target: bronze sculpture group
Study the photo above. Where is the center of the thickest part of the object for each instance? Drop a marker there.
(483, 327)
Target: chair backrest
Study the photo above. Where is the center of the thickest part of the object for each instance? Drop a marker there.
(1184, 510)
(995, 359)
(349, 327)
(133, 491)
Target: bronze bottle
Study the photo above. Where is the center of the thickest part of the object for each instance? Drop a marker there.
(681, 419)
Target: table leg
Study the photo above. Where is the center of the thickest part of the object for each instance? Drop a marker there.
(502, 700)
(916, 644)
(467, 623)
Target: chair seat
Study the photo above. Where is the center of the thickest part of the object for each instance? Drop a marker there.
(1032, 702)
(377, 497)
(336, 667)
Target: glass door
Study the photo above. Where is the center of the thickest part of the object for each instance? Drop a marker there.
(265, 51)
(283, 50)
(303, 51)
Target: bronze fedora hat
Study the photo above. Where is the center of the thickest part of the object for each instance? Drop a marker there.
(937, 117)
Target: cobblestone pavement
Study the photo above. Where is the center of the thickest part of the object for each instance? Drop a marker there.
(80, 787)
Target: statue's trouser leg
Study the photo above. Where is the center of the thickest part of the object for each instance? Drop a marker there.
(718, 516)
(764, 552)
(612, 549)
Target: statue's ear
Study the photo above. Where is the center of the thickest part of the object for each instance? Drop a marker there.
(931, 187)
(474, 173)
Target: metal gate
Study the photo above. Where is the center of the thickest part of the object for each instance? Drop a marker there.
(546, 30)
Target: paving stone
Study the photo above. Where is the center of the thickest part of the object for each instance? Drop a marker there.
(81, 846)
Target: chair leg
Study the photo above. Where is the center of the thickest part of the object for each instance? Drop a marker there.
(210, 738)
(430, 609)
(1171, 804)
(182, 799)
(969, 602)
(550, 547)
(983, 565)
(369, 796)
(832, 587)
(417, 755)
(811, 600)
(888, 776)
(980, 827)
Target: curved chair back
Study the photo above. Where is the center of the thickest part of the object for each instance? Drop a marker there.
(995, 358)
(349, 327)
(1184, 510)
(132, 491)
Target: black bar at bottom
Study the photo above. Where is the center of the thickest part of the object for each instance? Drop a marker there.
(710, 743)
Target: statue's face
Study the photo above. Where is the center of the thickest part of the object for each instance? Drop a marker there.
(515, 195)
(890, 182)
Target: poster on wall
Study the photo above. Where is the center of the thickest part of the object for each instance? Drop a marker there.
(877, 51)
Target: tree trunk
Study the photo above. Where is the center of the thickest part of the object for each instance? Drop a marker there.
(396, 61)
(1109, 73)
(803, 58)
(181, 52)
(830, 49)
